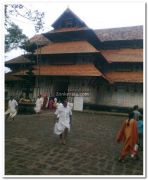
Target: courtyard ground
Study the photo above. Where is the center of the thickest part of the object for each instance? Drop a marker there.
(31, 148)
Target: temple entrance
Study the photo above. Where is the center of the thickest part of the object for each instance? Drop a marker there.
(61, 89)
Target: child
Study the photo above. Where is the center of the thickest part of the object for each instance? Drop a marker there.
(140, 132)
(136, 112)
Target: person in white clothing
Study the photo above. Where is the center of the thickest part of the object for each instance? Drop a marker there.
(12, 108)
(62, 126)
(70, 105)
(39, 103)
(59, 104)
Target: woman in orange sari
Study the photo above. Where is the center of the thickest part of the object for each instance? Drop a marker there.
(128, 134)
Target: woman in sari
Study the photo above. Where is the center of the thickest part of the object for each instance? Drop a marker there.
(50, 104)
(128, 134)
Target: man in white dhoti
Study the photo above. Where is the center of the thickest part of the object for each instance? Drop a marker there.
(39, 103)
(61, 128)
(12, 108)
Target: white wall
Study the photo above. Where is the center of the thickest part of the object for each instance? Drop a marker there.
(121, 97)
(110, 97)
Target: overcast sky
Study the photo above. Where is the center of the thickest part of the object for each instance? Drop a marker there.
(97, 15)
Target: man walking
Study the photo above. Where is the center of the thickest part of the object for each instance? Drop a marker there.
(62, 127)
(12, 108)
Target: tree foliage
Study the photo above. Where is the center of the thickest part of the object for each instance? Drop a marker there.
(14, 37)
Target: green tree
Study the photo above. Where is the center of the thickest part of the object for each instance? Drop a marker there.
(14, 37)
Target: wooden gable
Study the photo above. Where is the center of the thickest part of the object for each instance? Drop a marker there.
(67, 20)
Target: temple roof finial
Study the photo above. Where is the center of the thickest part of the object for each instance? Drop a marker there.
(67, 8)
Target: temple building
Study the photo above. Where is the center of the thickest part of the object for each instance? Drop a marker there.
(102, 68)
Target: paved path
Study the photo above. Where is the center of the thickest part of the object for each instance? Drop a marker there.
(31, 148)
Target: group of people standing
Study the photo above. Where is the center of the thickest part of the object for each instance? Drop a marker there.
(44, 102)
(131, 134)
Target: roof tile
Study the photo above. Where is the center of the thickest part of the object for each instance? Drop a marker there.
(65, 70)
(18, 60)
(122, 33)
(67, 47)
(133, 77)
(123, 55)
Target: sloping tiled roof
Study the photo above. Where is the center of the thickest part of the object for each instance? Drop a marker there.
(122, 33)
(123, 55)
(67, 47)
(65, 70)
(10, 77)
(112, 34)
(133, 77)
(39, 39)
(18, 60)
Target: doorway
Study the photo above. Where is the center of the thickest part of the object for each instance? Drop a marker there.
(61, 89)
